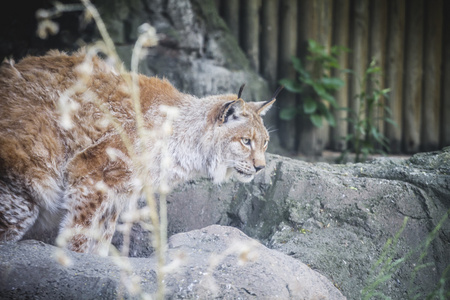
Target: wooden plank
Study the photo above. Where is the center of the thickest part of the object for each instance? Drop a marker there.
(359, 56)
(230, 12)
(306, 133)
(250, 31)
(287, 49)
(316, 24)
(412, 104)
(432, 76)
(445, 100)
(324, 36)
(377, 52)
(394, 71)
(341, 23)
(269, 41)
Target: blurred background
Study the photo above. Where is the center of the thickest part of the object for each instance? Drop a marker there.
(361, 76)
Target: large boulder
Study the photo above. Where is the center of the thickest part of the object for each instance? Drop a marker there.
(381, 227)
(212, 263)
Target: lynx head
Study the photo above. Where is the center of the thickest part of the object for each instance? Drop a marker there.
(242, 137)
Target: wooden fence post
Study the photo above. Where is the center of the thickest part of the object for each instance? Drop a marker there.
(413, 76)
(287, 49)
(359, 47)
(316, 23)
(432, 75)
(250, 31)
(445, 106)
(269, 41)
(394, 71)
(324, 37)
(341, 22)
(230, 11)
(377, 52)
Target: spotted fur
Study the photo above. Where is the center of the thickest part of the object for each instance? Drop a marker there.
(51, 173)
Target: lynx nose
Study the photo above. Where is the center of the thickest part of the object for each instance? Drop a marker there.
(259, 168)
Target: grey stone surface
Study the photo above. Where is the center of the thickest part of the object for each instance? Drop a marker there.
(339, 219)
(216, 262)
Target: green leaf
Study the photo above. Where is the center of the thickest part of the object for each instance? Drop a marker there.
(333, 83)
(309, 106)
(291, 85)
(386, 91)
(372, 70)
(330, 118)
(390, 121)
(288, 114)
(297, 63)
(316, 120)
(313, 46)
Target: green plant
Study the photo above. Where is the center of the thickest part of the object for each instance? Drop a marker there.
(315, 84)
(366, 136)
(386, 266)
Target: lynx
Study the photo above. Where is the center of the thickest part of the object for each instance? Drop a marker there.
(52, 173)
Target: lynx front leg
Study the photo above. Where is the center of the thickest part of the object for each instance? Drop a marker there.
(17, 213)
(97, 190)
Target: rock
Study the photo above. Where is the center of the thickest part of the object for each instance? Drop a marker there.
(339, 219)
(215, 262)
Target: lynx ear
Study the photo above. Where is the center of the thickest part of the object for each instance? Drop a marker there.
(263, 107)
(231, 110)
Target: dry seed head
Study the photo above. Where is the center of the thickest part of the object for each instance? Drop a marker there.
(47, 27)
(101, 186)
(123, 263)
(166, 128)
(134, 288)
(164, 188)
(148, 34)
(171, 111)
(84, 71)
(42, 14)
(176, 263)
(59, 7)
(144, 213)
(243, 256)
(166, 162)
(67, 108)
(62, 258)
(130, 217)
(112, 153)
(87, 17)
(103, 123)
(146, 296)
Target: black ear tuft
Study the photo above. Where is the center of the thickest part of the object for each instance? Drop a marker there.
(240, 91)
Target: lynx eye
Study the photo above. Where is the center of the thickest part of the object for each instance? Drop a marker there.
(246, 142)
